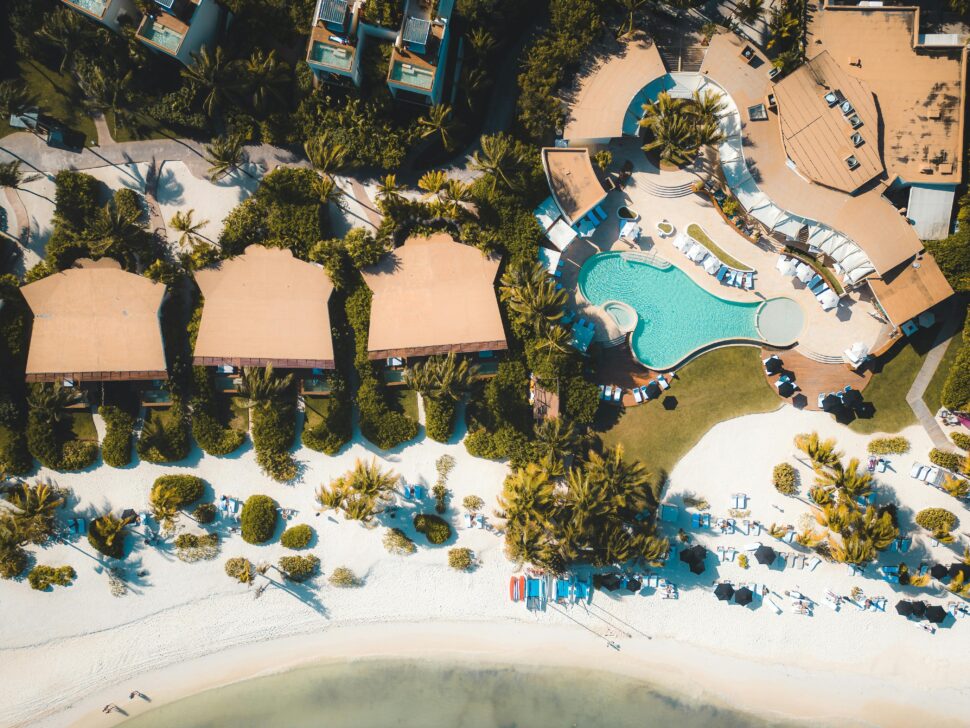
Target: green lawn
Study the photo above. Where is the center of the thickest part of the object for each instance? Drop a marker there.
(934, 391)
(148, 128)
(696, 232)
(405, 399)
(718, 386)
(238, 414)
(317, 409)
(82, 425)
(58, 96)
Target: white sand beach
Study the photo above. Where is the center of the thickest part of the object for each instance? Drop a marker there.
(186, 627)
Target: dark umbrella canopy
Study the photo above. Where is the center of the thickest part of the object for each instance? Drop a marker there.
(765, 555)
(743, 596)
(852, 398)
(830, 402)
(959, 568)
(633, 584)
(611, 582)
(904, 608)
(935, 613)
(724, 591)
(697, 567)
(919, 609)
(773, 365)
(938, 571)
(129, 514)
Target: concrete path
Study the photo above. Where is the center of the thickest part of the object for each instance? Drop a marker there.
(914, 397)
(104, 133)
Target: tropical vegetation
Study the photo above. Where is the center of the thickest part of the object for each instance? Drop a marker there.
(258, 519)
(360, 493)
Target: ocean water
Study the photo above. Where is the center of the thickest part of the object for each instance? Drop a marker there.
(424, 694)
(677, 317)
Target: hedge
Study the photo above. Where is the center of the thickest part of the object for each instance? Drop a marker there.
(297, 537)
(961, 440)
(936, 520)
(15, 457)
(42, 577)
(299, 568)
(783, 477)
(946, 459)
(439, 418)
(258, 519)
(213, 437)
(888, 446)
(336, 429)
(116, 446)
(45, 445)
(176, 490)
(956, 388)
(172, 445)
(274, 430)
(435, 529)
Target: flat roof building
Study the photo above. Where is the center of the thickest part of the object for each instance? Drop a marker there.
(574, 184)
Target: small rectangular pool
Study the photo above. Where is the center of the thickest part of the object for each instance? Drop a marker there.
(332, 56)
(95, 7)
(161, 35)
(412, 75)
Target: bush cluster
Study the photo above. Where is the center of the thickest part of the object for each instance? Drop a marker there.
(945, 459)
(581, 400)
(460, 559)
(213, 437)
(397, 542)
(192, 547)
(116, 446)
(435, 528)
(258, 519)
(176, 491)
(888, 446)
(299, 568)
(439, 418)
(956, 388)
(240, 569)
(500, 421)
(784, 479)
(106, 537)
(336, 429)
(297, 537)
(937, 520)
(42, 577)
(165, 441)
(55, 452)
(274, 430)
(205, 513)
(961, 440)
(13, 561)
(344, 578)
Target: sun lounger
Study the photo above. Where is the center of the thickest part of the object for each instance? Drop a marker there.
(816, 279)
(751, 547)
(789, 537)
(669, 591)
(420, 492)
(700, 520)
(669, 513)
(740, 500)
(743, 527)
(662, 382)
(813, 563)
(645, 391)
(562, 590)
(915, 470)
(617, 394)
(469, 520)
(481, 521)
(637, 395)
(932, 475)
(607, 392)
(749, 284)
(775, 605)
(721, 273)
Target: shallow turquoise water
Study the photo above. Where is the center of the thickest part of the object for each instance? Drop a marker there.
(677, 317)
(432, 695)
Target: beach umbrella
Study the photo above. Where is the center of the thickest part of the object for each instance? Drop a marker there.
(919, 609)
(829, 402)
(773, 364)
(804, 273)
(129, 514)
(611, 582)
(938, 571)
(634, 584)
(959, 568)
(724, 591)
(694, 554)
(904, 608)
(765, 555)
(697, 567)
(743, 596)
(935, 614)
(785, 266)
(851, 398)
(786, 389)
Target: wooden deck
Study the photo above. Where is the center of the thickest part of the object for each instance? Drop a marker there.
(814, 378)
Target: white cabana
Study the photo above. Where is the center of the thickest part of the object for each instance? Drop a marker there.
(549, 258)
(712, 265)
(828, 299)
(561, 234)
(681, 242)
(785, 266)
(856, 353)
(630, 230)
(857, 274)
(697, 253)
(547, 213)
(804, 272)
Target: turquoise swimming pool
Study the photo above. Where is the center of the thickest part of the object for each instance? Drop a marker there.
(676, 316)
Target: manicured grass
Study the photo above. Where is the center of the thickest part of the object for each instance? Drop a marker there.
(58, 96)
(826, 273)
(405, 399)
(720, 385)
(148, 128)
(317, 409)
(162, 413)
(238, 414)
(886, 391)
(696, 232)
(934, 390)
(82, 425)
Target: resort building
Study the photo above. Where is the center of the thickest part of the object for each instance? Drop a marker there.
(335, 39)
(434, 296)
(573, 208)
(266, 307)
(110, 13)
(96, 323)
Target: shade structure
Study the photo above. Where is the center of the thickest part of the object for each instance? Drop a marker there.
(904, 608)
(830, 402)
(694, 554)
(938, 571)
(785, 266)
(697, 567)
(611, 582)
(935, 614)
(959, 568)
(765, 555)
(129, 514)
(852, 398)
(919, 608)
(724, 591)
(828, 300)
(633, 584)
(804, 273)
(773, 364)
(743, 596)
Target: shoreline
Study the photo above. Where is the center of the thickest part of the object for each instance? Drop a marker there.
(762, 690)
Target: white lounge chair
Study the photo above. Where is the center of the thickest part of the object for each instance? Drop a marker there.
(617, 394)
(914, 471)
(662, 382)
(637, 395)
(608, 392)
(813, 563)
(775, 605)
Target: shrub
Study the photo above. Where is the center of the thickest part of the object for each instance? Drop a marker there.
(45, 445)
(937, 520)
(176, 491)
(961, 440)
(743, 561)
(344, 578)
(205, 513)
(439, 418)
(957, 487)
(107, 535)
(274, 430)
(784, 479)
(240, 569)
(956, 389)
(945, 459)
(582, 400)
(42, 578)
(297, 537)
(258, 519)
(460, 559)
(473, 503)
(13, 561)
(116, 446)
(440, 492)
(78, 454)
(435, 529)
(397, 542)
(191, 547)
(299, 568)
(164, 439)
(15, 457)
(209, 432)
(888, 446)
(336, 428)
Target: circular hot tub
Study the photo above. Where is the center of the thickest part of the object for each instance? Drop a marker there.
(624, 315)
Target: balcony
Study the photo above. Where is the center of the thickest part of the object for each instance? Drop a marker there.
(164, 31)
(94, 8)
(329, 52)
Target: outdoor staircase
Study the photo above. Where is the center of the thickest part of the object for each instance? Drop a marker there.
(668, 191)
(821, 358)
(679, 59)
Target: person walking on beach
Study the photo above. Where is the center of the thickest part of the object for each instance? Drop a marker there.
(110, 708)
(137, 694)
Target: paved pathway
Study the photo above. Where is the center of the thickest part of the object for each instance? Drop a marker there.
(104, 133)
(914, 397)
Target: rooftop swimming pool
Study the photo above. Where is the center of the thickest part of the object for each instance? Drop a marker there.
(328, 55)
(676, 316)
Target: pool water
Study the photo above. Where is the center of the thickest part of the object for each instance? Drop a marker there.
(95, 7)
(676, 316)
(162, 36)
(328, 55)
(413, 76)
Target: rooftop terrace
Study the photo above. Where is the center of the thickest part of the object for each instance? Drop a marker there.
(414, 61)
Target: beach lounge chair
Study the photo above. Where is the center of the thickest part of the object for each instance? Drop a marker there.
(645, 392)
(607, 392)
(669, 513)
(789, 537)
(721, 273)
(775, 605)
(562, 591)
(481, 521)
(740, 501)
(739, 280)
(816, 279)
(749, 284)
(914, 471)
(637, 395)
(755, 528)
(617, 394)
(662, 382)
(652, 581)
(419, 492)
(743, 527)
(581, 591)
(469, 520)
(813, 563)
(700, 520)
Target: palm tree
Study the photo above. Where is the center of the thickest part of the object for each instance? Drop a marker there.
(110, 528)
(261, 387)
(626, 484)
(225, 155)
(531, 296)
(183, 223)
(266, 79)
(359, 491)
(13, 177)
(707, 106)
(630, 7)
(673, 139)
(14, 98)
(526, 494)
(49, 401)
(781, 25)
(34, 508)
(113, 228)
(497, 154)
(557, 437)
(708, 134)
(438, 122)
(328, 191)
(822, 453)
(748, 11)
(853, 550)
(482, 42)
(432, 182)
(442, 378)
(65, 30)
(324, 154)
(850, 480)
(388, 191)
(214, 76)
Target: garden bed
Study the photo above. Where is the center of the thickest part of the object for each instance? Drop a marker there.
(826, 273)
(697, 233)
